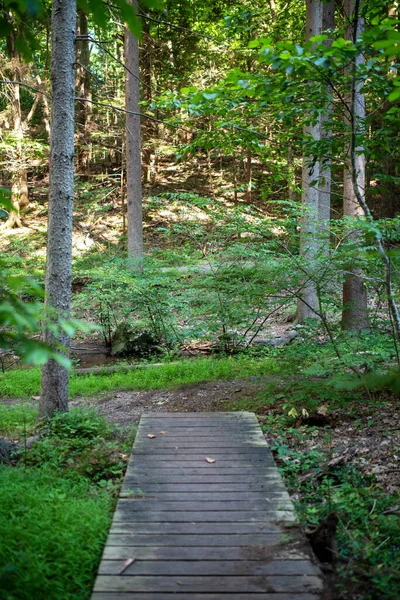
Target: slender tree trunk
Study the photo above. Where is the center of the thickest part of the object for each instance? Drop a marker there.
(133, 155)
(291, 176)
(355, 308)
(19, 178)
(150, 127)
(307, 304)
(324, 211)
(249, 174)
(83, 109)
(55, 378)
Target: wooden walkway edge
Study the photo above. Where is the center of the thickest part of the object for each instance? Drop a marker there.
(203, 514)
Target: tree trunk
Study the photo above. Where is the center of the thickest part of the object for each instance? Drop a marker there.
(324, 211)
(83, 109)
(355, 309)
(307, 303)
(150, 128)
(133, 155)
(55, 378)
(249, 173)
(19, 177)
(291, 175)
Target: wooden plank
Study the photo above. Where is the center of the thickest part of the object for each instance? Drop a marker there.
(196, 596)
(133, 504)
(182, 488)
(280, 583)
(168, 516)
(201, 442)
(196, 540)
(261, 553)
(243, 414)
(211, 567)
(231, 453)
(191, 528)
(210, 496)
(205, 498)
(203, 474)
(171, 462)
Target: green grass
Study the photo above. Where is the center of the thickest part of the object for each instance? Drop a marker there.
(17, 420)
(26, 383)
(52, 530)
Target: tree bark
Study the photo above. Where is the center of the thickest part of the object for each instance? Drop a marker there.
(307, 303)
(355, 305)
(133, 154)
(55, 378)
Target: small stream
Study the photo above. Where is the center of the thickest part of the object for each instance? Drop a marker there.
(92, 355)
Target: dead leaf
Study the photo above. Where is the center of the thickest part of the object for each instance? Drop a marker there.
(35, 397)
(210, 460)
(162, 432)
(151, 435)
(126, 565)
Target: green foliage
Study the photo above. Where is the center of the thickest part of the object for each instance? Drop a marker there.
(82, 442)
(52, 530)
(56, 509)
(368, 532)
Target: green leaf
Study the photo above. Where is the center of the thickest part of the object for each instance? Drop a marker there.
(67, 327)
(322, 62)
(5, 198)
(319, 38)
(24, 48)
(130, 17)
(395, 95)
(340, 43)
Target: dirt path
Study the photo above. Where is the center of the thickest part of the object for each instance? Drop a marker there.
(125, 408)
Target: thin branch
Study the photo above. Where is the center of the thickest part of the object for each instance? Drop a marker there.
(130, 112)
(29, 87)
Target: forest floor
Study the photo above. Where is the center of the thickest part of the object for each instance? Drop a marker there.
(365, 435)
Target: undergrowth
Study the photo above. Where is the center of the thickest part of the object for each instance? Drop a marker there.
(57, 503)
(368, 531)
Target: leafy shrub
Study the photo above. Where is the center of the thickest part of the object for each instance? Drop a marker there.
(84, 443)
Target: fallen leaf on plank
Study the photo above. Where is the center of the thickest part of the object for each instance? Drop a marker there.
(151, 435)
(210, 460)
(126, 565)
(162, 432)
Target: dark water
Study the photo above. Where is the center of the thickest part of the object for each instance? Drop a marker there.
(92, 355)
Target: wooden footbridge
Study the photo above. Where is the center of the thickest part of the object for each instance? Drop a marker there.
(204, 515)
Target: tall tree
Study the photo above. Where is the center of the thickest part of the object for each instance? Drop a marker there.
(324, 210)
(355, 309)
(307, 304)
(133, 153)
(54, 394)
(83, 89)
(19, 176)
